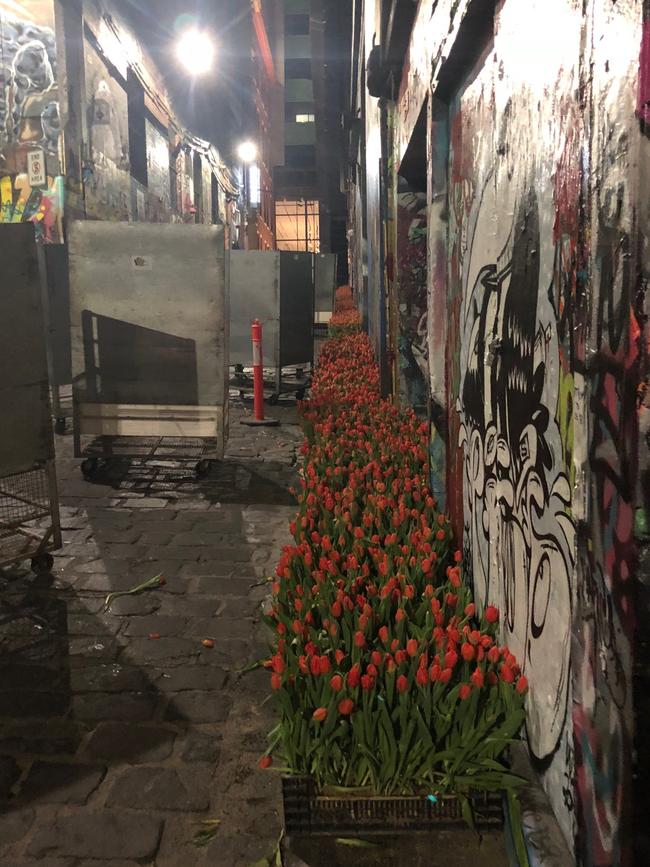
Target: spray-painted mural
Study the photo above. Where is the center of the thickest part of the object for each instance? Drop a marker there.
(29, 119)
(411, 282)
(29, 104)
(513, 248)
(544, 387)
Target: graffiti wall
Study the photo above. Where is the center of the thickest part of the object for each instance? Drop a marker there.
(29, 117)
(106, 176)
(541, 367)
(603, 643)
(411, 286)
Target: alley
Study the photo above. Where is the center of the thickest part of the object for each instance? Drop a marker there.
(120, 732)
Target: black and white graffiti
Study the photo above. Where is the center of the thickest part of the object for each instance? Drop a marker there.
(29, 107)
(518, 530)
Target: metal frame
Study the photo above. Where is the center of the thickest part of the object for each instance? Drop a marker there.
(29, 511)
(261, 287)
(149, 314)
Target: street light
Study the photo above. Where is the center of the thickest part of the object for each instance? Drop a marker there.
(195, 50)
(247, 151)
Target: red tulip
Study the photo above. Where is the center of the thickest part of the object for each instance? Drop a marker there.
(336, 683)
(339, 656)
(445, 675)
(265, 762)
(451, 658)
(402, 683)
(346, 706)
(465, 691)
(359, 639)
(319, 714)
(477, 678)
(354, 677)
(467, 652)
(276, 681)
(491, 614)
(412, 647)
(325, 666)
(383, 634)
(522, 685)
(422, 676)
(507, 674)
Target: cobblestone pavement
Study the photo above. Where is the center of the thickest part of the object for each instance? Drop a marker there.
(115, 744)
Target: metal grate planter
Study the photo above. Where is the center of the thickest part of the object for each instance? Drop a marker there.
(308, 812)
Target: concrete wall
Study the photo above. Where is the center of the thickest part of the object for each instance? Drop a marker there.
(537, 228)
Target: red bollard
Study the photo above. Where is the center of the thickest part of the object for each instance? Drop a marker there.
(258, 380)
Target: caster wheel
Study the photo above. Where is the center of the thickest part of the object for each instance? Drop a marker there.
(300, 394)
(60, 426)
(42, 564)
(89, 467)
(274, 399)
(203, 469)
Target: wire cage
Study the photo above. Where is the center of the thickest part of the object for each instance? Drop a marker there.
(29, 517)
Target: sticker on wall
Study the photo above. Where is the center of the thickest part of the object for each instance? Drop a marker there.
(36, 173)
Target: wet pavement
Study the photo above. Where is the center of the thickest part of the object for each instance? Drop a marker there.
(120, 732)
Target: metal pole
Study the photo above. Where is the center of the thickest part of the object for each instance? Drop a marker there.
(258, 381)
(258, 371)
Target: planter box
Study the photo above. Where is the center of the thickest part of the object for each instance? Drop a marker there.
(307, 812)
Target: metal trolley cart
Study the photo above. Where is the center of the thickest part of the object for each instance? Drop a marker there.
(29, 508)
(278, 289)
(149, 334)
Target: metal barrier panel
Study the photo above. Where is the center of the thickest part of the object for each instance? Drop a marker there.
(296, 308)
(29, 515)
(26, 438)
(149, 330)
(254, 294)
(324, 286)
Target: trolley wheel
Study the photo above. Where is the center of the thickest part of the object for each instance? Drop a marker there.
(42, 563)
(60, 426)
(203, 469)
(89, 467)
(300, 394)
(273, 399)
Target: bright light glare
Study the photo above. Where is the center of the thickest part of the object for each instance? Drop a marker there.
(247, 151)
(195, 50)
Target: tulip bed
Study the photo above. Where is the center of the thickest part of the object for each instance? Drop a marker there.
(386, 675)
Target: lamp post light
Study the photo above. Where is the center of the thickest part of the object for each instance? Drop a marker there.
(195, 51)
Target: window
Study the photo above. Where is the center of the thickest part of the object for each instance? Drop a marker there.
(297, 225)
(137, 128)
(296, 25)
(299, 156)
(197, 172)
(305, 118)
(214, 193)
(297, 68)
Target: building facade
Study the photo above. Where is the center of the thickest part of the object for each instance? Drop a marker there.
(498, 222)
(83, 101)
(310, 204)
